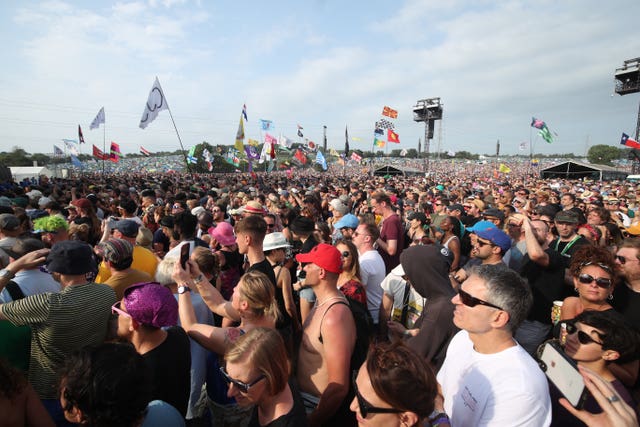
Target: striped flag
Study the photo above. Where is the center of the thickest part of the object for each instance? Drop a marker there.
(98, 154)
(115, 152)
(144, 151)
(356, 157)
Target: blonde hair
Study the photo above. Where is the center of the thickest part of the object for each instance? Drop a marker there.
(263, 349)
(256, 288)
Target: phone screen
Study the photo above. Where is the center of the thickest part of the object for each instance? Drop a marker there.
(184, 254)
(563, 373)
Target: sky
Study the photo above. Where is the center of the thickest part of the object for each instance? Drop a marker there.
(494, 65)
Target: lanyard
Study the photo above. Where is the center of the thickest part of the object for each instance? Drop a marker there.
(566, 248)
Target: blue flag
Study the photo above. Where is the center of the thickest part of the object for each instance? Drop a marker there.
(267, 124)
(321, 160)
(76, 162)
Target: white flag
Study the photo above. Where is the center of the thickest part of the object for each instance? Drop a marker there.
(403, 152)
(95, 124)
(451, 153)
(154, 105)
(523, 146)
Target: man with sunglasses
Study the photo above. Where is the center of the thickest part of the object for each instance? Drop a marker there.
(487, 378)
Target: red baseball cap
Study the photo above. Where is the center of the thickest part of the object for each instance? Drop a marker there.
(324, 256)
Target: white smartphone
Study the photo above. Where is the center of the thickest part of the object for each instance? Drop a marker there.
(563, 373)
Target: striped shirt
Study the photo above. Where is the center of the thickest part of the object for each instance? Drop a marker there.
(60, 323)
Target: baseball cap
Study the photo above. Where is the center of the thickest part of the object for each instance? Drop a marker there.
(150, 303)
(494, 213)
(495, 236)
(71, 257)
(347, 221)
(324, 256)
(127, 227)
(481, 226)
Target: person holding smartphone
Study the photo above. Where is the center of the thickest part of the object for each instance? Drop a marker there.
(595, 339)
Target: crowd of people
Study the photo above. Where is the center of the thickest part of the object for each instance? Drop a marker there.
(340, 299)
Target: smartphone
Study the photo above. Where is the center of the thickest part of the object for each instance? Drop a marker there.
(184, 254)
(563, 373)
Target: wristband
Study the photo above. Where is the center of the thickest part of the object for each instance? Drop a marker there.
(7, 274)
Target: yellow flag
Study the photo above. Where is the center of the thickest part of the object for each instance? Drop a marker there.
(240, 136)
(253, 142)
(333, 152)
(504, 168)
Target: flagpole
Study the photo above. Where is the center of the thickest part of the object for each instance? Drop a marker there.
(104, 143)
(184, 154)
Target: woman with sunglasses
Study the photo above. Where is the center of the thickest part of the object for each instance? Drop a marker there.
(592, 269)
(256, 372)
(595, 340)
(349, 281)
(395, 387)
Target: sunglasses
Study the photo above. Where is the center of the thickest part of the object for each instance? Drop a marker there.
(176, 207)
(622, 260)
(270, 225)
(482, 243)
(583, 337)
(115, 309)
(602, 282)
(346, 254)
(471, 301)
(243, 387)
(367, 408)
(216, 210)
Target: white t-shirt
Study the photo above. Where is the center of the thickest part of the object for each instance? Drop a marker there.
(501, 389)
(394, 286)
(372, 272)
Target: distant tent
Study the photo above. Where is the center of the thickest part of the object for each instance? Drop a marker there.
(21, 172)
(396, 170)
(576, 170)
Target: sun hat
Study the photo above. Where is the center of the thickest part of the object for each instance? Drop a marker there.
(274, 240)
(150, 303)
(324, 256)
(223, 233)
(254, 207)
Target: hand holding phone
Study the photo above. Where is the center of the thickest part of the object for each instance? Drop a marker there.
(563, 372)
(184, 254)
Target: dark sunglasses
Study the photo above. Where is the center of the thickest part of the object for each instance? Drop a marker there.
(583, 337)
(471, 301)
(622, 260)
(270, 225)
(367, 408)
(602, 282)
(243, 387)
(346, 254)
(482, 243)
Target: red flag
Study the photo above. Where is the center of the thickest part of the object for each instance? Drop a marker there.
(80, 137)
(98, 154)
(625, 140)
(300, 156)
(392, 136)
(356, 157)
(390, 112)
(146, 152)
(115, 152)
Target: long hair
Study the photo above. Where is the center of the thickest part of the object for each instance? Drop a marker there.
(354, 271)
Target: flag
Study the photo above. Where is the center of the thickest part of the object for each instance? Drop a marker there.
(451, 153)
(300, 130)
(206, 155)
(535, 162)
(523, 146)
(537, 123)
(346, 142)
(144, 152)
(625, 140)
(253, 142)
(504, 168)
(71, 146)
(266, 124)
(378, 131)
(356, 157)
(333, 152)
(393, 137)
(76, 162)
(57, 152)
(252, 152)
(155, 103)
(240, 136)
(546, 134)
(98, 154)
(285, 142)
(115, 152)
(403, 152)
(378, 143)
(390, 112)
(300, 156)
(321, 160)
(385, 124)
(80, 136)
(244, 111)
(191, 155)
(95, 124)
(311, 145)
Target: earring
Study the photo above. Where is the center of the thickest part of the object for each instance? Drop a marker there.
(610, 297)
(576, 289)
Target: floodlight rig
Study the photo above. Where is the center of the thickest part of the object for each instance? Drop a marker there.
(627, 82)
(428, 111)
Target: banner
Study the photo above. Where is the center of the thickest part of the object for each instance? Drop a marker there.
(156, 102)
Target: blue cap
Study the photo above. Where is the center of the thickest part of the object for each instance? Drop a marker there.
(480, 226)
(497, 237)
(347, 221)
